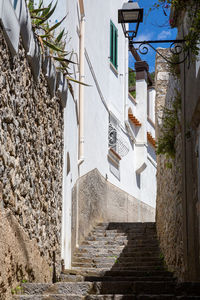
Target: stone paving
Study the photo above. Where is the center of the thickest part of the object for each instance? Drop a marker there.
(116, 261)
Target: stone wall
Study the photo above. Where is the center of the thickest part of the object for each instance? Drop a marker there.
(169, 209)
(31, 143)
(101, 201)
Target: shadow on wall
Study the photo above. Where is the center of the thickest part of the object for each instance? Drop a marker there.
(20, 258)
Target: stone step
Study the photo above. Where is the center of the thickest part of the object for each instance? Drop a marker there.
(102, 254)
(124, 230)
(119, 259)
(107, 233)
(137, 287)
(139, 273)
(130, 297)
(136, 248)
(188, 297)
(80, 278)
(107, 238)
(102, 297)
(89, 247)
(125, 226)
(65, 288)
(116, 240)
(188, 288)
(72, 278)
(103, 231)
(48, 297)
(128, 243)
(118, 273)
(108, 248)
(83, 270)
(116, 234)
(141, 297)
(130, 278)
(111, 287)
(118, 264)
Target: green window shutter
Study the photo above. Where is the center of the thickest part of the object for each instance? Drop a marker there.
(113, 44)
(116, 48)
(111, 41)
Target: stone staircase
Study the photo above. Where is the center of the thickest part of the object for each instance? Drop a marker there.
(116, 261)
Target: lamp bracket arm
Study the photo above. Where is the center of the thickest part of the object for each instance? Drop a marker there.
(176, 48)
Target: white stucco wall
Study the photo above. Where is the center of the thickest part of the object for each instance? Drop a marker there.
(111, 87)
(108, 92)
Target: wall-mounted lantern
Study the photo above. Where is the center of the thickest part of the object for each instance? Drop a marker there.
(131, 13)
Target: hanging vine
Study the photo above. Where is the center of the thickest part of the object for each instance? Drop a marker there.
(170, 124)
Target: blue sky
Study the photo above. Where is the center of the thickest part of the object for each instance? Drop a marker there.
(155, 26)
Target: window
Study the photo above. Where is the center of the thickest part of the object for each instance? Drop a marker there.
(113, 44)
(112, 137)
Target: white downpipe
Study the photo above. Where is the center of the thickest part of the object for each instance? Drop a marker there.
(81, 110)
(126, 75)
(81, 91)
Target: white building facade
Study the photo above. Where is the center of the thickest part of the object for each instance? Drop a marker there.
(105, 127)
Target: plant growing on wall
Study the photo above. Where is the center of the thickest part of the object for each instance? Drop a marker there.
(193, 9)
(49, 41)
(132, 81)
(170, 122)
(174, 67)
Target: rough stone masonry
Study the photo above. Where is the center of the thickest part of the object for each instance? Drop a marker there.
(31, 148)
(169, 209)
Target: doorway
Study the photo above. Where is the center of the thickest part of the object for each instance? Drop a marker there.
(66, 214)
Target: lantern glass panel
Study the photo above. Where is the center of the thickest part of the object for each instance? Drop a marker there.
(131, 16)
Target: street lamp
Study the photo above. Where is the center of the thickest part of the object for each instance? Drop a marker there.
(130, 13)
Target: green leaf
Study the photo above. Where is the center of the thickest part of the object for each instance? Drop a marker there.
(52, 46)
(45, 11)
(30, 5)
(40, 4)
(70, 88)
(61, 59)
(77, 81)
(44, 36)
(65, 54)
(36, 11)
(59, 37)
(56, 25)
(61, 69)
(49, 14)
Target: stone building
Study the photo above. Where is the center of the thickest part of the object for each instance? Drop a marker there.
(177, 212)
(69, 161)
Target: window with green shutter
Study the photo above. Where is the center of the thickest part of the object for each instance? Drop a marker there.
(113, 44)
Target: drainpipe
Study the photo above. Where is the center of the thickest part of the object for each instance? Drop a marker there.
(81, 108)
(81, 88)
(126, 91)
(126, 75)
